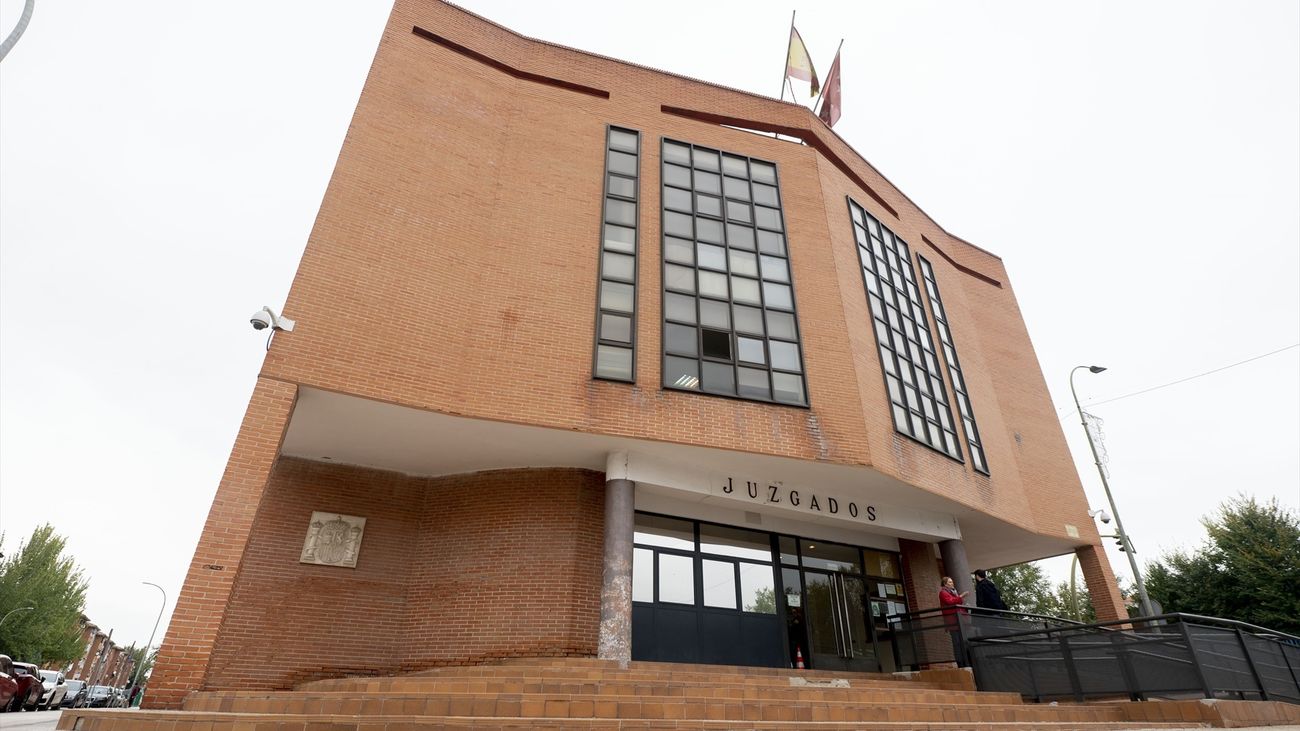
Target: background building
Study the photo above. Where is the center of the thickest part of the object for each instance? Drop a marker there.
(587, 361)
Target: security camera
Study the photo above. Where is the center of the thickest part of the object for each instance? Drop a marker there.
(1102, 514)
(260, 319)
(266, 317)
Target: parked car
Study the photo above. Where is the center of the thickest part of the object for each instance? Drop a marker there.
(76, 695)
(99, 696)
(29, 687)
(8, 683)
(55, 688)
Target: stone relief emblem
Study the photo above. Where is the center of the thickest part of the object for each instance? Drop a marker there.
(333, 539)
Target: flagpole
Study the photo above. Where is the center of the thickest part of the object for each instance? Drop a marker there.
(785, 79)
(828, 78)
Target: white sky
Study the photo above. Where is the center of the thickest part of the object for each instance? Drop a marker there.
(1137, 166)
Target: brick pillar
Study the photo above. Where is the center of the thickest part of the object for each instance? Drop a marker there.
(1102, 587)
(921, 585)
(78, 667)
(183, 659)
(92, 657)
(110, 667)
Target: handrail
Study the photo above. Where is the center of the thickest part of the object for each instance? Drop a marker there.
(922, 613)
(1181, 617)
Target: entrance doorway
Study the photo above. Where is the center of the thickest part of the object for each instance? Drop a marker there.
(708, 593)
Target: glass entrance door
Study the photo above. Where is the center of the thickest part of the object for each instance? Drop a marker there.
(836, 620)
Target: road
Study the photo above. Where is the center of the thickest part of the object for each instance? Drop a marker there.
(30, 721)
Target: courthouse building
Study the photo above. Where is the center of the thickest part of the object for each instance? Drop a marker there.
(589, 362)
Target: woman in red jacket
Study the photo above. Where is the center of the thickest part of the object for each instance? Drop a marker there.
(952, 603)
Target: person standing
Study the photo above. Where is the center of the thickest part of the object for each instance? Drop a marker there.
(952, 602)
(986, 592)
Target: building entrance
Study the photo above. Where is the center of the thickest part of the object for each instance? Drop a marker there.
(708, 593)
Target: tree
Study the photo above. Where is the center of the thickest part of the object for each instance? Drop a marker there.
(40, 576)
(1024, 588)
(1247, 569)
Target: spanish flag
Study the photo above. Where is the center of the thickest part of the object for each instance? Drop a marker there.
(798, 64)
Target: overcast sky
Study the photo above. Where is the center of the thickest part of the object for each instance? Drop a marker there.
(1136, 165)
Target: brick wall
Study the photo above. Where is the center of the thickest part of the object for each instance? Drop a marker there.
(451, 571)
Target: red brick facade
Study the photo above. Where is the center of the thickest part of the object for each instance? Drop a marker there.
(453, 270)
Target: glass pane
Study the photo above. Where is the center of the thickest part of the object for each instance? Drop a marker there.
(656, 530)
(738, 211)
(643, 577)
(707, 205)
(621, 162)
(678, 176)
(740, 237)
(766, 195)
(626, 141)
(744, 290)
(762, 171)
(787, 388)
(679, 307)
(757, 588)
(775, 269)
(682, 373)
(716, 344)
(674, 152)
(733, 165)
(677, 199)
(789, 555)
(676, 579)
(735, 188)
(770, 242)
(618, 238)
(618, 266)
(749, 320)
(708, 183)
(767, 217)
(715, 314)
(778, 296)
(621, 186)
(616, 327)
(677, 224)
(743, 262)
(831, 556)
(706, 160)
(750, 350)
(712, 257)
(708, 230)
(736, 542)
(616, 296)
(679, 250)
(713, 284)
(680, 339)
(613, 362)
(718, 378)
(780, 325)
(719, 584)
(882, 564)
(753, 383)
(677, 277)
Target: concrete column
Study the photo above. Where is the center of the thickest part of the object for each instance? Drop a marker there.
(955, 565)
(615, 641)
(1102, 587)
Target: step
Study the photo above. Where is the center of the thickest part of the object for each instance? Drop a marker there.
(137, 720)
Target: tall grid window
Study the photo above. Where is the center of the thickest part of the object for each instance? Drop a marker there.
(616, 311)
(912, 376)
(959, 392)
(729, 309)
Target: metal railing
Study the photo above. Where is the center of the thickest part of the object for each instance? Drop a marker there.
(1166, 656)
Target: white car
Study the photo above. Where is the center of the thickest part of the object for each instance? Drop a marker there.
(55, 689)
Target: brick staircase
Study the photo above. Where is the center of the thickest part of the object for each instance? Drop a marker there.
(593, 695)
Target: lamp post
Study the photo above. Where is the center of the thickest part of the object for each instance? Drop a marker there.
(1119, 524)
(11, 611)
(145, 656)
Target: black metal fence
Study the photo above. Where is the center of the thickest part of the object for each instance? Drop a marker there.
(1168, 656)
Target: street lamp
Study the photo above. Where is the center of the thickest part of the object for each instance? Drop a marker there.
(144, 657)
(1119, 524)
(11, 611)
